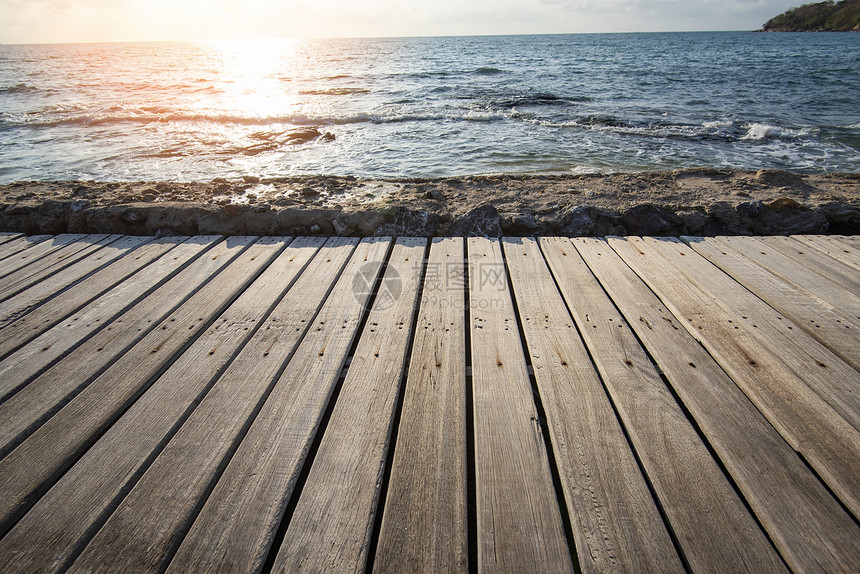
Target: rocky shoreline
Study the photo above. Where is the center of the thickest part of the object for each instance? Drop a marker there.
(682, 202)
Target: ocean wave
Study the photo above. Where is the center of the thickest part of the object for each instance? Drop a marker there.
(334, 92)
(759, 132)
(488, 71)
(19, 89)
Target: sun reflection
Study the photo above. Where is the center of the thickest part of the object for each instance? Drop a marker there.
(253, 75)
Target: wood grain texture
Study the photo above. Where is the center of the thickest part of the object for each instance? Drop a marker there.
(518, 518)
(29, 360)
(798, 355)
(39, 461)
(59, 246)
(7, 236)
(49, 264)
(39, 308)
(804, 419)
(61, 520)
(616, 524)
(20, 243)
(49, 391)
(135, 536)
(800, 276)
(330, 528)
(829, 326)
(714, 529)
(807, 525)
(424, 522)
(836, 271)
(833, 247)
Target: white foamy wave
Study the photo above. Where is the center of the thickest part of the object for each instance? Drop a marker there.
(718, 125)
(761, 132)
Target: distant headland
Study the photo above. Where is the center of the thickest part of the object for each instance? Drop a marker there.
(828, 16)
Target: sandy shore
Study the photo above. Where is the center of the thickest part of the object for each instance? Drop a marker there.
(692, 201)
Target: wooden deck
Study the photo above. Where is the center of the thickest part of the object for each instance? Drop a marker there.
(343, 405)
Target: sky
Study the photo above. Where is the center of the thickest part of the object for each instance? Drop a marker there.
(57, 21)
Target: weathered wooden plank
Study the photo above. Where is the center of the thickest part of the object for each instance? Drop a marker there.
(424, 524)
(46, 537)
(64, 243)
(831, 327)
(616, 524)
(836, 271)
(34, 357)
(20, 243)
(518, 518)
(36, 309)
(793, 356)
(146, 529)
(832, 247)
(711, 524)
(51, 263)
(331, 526)
(7, 236)
(37, 463)
(37, 401)
(800, 276)
(806, 524)
(802, 415)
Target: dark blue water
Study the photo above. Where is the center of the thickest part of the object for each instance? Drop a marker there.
(430, 106)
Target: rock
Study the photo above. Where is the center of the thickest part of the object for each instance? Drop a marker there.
(750, 209)
(842, 219)
(482, 221)
(436, 194)
(250, 179)
(722, 219)
(315, 228)
(779, 178)
(78, 205)
(222, 189)
(162, 187)
(132, 217)
(694, 222)
(649, 219)
(309, 192)
(786, 216)
(579, 222)
(401, 221)
(149, 197)
(519, 224)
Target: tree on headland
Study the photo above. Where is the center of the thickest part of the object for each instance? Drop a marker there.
(827, 16)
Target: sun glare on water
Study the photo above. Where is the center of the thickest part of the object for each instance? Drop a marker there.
(251, 75)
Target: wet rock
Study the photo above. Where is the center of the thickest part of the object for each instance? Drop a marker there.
(250, 179)
(482, 221)
(650, 219)
(309, 192)
(222, 189)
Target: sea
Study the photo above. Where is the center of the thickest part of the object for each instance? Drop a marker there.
(430, 107)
